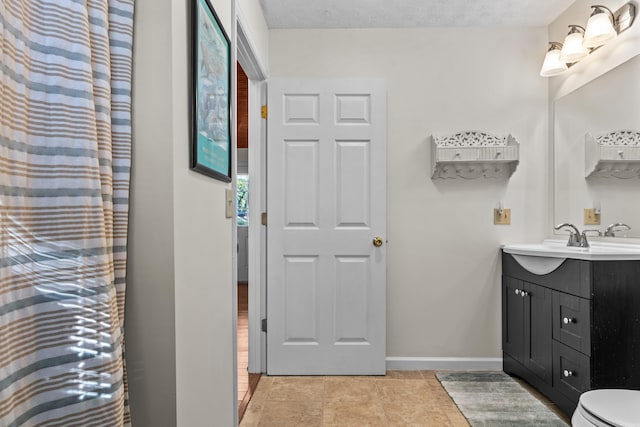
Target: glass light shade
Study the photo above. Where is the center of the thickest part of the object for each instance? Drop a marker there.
(599, 30)
(553, 65)
(572, 48)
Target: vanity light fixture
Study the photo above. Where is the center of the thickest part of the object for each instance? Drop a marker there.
(553, 65)
(573, 49)
(599, 27)
(603, 26)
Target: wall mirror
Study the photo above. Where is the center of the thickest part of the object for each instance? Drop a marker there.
(606, 104)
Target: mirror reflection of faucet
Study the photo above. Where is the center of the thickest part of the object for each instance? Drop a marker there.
(613, 228)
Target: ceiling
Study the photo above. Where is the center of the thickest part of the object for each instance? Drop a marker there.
(411, 13)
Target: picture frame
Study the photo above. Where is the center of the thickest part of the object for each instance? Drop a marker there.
(211, 93)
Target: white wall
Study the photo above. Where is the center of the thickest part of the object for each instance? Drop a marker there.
(443, 256)
(179, 318)
(149, 310)
(203, 263)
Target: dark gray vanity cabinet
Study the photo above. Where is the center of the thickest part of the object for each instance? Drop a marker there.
(574, 329)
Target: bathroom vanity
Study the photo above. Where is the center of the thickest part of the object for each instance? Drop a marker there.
(571, 318)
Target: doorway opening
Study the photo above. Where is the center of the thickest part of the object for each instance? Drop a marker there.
(246, 382)
(250, 160)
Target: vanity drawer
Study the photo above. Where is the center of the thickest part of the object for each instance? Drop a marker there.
(571, 371)
(572, 321)
(572, 276)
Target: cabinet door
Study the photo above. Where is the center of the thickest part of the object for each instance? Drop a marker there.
(513, 318)
(538, 331)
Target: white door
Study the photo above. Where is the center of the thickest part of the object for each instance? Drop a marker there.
(326, 204)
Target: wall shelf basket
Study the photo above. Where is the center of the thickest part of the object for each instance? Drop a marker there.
(615, 154)
(472, 155)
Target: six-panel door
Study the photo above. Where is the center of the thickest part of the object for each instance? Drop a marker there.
(326, 276)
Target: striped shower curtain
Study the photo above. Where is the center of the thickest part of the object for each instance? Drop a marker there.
(65, 148)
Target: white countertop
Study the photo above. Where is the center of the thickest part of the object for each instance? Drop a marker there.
(598, 251)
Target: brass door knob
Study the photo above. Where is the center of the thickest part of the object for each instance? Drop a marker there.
(377, 242)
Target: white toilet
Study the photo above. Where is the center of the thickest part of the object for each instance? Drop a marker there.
(608, 408)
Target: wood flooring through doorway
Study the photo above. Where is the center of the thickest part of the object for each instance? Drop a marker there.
(247, 383)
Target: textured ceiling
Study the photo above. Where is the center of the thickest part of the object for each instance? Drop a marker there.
(411, 13)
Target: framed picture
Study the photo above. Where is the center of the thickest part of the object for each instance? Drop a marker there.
(211, 108)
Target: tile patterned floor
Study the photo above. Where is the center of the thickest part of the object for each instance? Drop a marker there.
(401, 398)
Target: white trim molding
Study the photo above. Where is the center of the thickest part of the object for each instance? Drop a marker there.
(444, 363)
(251, 64)
(257, 251)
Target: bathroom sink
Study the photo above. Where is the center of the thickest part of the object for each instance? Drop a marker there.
(598, 251)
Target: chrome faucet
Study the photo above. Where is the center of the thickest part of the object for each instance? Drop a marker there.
(574, 234)
(584, 243)
(612, 228)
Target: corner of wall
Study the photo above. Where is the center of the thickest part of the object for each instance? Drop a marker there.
(254, 27)
(149, 315)
(203, 292)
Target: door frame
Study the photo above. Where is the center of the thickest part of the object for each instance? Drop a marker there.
(256, 73)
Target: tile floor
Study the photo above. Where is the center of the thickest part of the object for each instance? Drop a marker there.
(401, 398)
(327, 401)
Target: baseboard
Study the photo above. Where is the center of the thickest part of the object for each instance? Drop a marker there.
(444, 363)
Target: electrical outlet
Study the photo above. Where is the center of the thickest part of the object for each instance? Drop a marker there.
(228, 195)
(503, 218)
(591, 217)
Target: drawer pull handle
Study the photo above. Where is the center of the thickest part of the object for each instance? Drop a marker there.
(517, 291)
(568, 320)
(524, 294)
(567, 373)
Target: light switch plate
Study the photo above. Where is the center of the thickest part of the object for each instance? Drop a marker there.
(591, 217)
(228, 203)
(502, 218)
